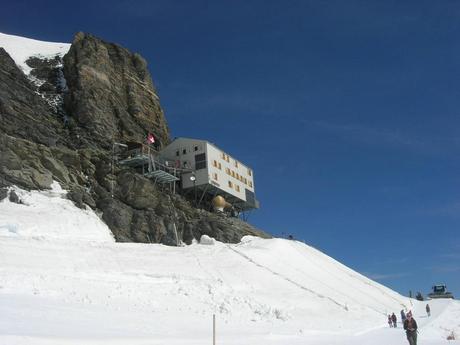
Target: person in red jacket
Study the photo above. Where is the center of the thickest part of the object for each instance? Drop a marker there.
(410, 326)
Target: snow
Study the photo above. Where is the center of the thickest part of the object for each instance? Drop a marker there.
(63, 280)
(205, 239)
(20, 49)
(49, 215)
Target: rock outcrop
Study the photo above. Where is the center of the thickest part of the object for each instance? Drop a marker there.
(111, 94)
(23, 112)
(59, 124)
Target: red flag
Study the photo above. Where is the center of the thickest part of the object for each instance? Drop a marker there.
(150, 139)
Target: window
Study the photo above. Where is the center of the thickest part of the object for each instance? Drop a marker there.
(245, 180)
(237, 188)
(250, 184)
(236, 164)
(214, 163)
(200, 161)
(223, 155)
(184, 151)
(230, 184)
(237, 176)
(249, 172)
(196, 148)
(214, 176)
(233, 173)
(227, 170)
(228, 159)
(220, 166)
(177, 153)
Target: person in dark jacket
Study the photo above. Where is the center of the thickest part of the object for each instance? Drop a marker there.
(428, 310)
(390, 323)
(394, 319)
(410, 326)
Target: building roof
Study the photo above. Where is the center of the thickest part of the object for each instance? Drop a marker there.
(210, 143)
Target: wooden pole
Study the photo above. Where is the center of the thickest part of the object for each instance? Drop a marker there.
(213, 329)
(175, 232)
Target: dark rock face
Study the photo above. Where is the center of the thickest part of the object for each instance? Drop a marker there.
(139, 212)
(111, 93)
(108, 94)
(23, 113)
(34, 166)
(3, 193)
(50, 80)
(137, 191)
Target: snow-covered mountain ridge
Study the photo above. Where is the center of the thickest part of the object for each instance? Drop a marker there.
(21, 49)
(41, 62)
(64, 280)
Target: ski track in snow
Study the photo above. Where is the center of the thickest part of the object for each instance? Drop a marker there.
(349, 283)
(286, 278)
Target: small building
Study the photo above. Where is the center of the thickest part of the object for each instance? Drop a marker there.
(212, 172)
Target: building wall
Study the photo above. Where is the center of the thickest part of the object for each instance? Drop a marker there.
(228, 173)
(183, 151)
(222, 170)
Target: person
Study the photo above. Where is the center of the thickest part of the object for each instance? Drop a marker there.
(428, 310)
(389, 321)
(410, 326)
(394, 319)
(403, 316)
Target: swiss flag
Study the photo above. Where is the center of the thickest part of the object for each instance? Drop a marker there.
(150, 138)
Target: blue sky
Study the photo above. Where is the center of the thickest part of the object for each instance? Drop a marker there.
(346, 110)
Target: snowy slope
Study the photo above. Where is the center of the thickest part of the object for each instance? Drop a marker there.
(49, 215)
(21, 48)
(63, 280)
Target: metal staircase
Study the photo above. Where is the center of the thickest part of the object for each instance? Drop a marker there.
(148, 162)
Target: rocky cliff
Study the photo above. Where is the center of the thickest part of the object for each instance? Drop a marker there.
(110, 93)
(59, 122)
